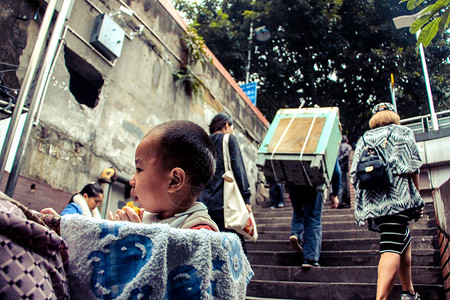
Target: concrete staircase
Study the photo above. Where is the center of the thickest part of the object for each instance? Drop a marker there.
(348, 260)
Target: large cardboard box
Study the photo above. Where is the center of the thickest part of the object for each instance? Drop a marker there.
(301, 146)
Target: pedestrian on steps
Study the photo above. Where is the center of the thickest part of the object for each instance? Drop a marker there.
(343, 157)
(276, 194)
(389, 208)
(212, 196)
(306, 226)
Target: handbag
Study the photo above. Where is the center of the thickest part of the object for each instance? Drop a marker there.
(236, 215)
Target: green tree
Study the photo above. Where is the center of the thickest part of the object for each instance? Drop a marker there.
(327, 52)
(432, 21)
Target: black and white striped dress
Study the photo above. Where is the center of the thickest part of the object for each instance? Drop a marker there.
(404, 160)
(395, 234)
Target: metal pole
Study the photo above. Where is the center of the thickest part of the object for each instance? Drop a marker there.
(25, 89)
(392, 88)
(39, 109)
(250, 44)
(434, 121)
(38, 95)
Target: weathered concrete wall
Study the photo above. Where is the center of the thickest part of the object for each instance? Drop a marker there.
(73, 143)
(15, 19)
(435, 168)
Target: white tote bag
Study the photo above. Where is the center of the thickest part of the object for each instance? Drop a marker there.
(236, 215)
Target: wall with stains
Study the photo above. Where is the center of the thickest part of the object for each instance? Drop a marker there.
(79, 135)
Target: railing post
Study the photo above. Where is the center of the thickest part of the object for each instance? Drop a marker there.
(425, 126)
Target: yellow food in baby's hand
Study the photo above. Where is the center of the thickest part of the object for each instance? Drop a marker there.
(135, 208)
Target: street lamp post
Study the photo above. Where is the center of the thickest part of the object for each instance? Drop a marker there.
(406, 21)
(261, 35)
(249, 55)
(434, 121)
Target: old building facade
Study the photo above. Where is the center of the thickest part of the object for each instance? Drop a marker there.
(97, 107)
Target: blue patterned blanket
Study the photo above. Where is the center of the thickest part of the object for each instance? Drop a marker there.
(123, 260)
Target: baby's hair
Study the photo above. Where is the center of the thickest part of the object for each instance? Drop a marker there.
(92, 189)
(219, 121)
(186, 145)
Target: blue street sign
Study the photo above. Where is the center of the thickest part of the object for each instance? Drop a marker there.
(250, 90)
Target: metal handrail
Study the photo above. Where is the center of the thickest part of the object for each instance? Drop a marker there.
(423, 122)
(424, 116)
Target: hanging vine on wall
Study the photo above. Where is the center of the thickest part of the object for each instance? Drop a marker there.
(192, 51)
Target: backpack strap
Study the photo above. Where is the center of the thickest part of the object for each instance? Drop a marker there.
(385, 141)
(364, 141)
(375, 148)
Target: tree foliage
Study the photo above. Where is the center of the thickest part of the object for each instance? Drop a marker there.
(432, 21)
(327, 52)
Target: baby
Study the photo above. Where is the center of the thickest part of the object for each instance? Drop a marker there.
(174, 162)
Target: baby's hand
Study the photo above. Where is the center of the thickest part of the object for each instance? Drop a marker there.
(49, 211)
(126, 214)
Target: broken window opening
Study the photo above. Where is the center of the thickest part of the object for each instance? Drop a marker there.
(85, 81)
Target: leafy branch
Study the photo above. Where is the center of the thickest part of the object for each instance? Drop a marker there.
(193, 51)
(433, 21)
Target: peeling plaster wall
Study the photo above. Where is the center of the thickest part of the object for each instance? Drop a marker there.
(73, 143)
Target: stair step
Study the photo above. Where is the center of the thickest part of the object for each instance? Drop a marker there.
(325, 218)
(335, 291)
(340, 234)
(420, 257)
(344, 225)
(287, 211)
(417, 242)
(332, 213)
(348, 274)
(259, 298)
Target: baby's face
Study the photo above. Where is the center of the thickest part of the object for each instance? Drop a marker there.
(150, 182)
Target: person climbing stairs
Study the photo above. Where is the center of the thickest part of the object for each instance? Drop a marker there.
(348, 261)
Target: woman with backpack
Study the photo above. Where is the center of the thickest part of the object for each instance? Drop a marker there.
(385, 174)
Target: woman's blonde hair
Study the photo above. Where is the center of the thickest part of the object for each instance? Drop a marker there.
(384, 117)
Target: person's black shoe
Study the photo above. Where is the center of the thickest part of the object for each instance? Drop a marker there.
(343, 205)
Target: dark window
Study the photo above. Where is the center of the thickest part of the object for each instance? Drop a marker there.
(85, 81)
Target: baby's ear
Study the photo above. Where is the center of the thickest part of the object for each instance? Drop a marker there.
(178, 180)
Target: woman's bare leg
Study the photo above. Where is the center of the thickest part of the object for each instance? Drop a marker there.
(404, 272)
(388, 267)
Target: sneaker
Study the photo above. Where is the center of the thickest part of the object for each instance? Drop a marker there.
(308, 263)
(409, 296)
(343, 205)
(280, 205)
(295, 246)
(273, 207)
